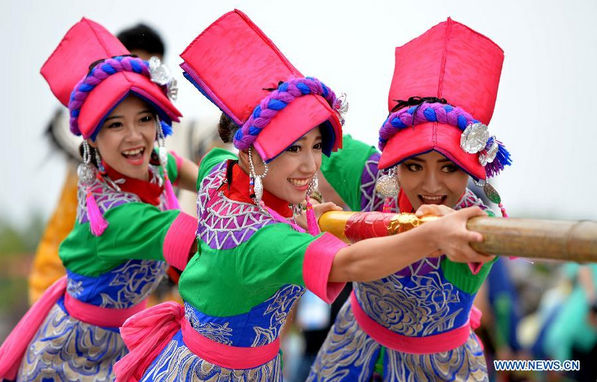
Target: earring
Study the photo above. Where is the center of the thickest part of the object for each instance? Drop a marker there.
(85, 170)
(87, 173)
(98, 160)
(312, 226)
(255, 183)
(171, 200)
(313, 186)
(491, 194)
(387, 186)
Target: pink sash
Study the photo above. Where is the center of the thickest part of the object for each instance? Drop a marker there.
(146, 334)
(414, 345)
(98, 316)
(13, 349)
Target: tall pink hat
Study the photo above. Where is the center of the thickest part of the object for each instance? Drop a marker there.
(92, 93)
(442, 98)
(236, 66)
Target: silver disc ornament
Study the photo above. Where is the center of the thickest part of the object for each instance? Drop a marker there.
(474, 138)
(387, 185)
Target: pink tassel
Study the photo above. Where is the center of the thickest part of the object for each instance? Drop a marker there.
(387, 205)
(312, 226)
(96, 219)
(503, 210)
(171, 200)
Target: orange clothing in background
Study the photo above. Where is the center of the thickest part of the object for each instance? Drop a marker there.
(47, 267)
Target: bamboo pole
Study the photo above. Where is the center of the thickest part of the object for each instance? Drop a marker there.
(529, 238)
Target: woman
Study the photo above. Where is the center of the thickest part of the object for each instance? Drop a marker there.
(415, 325)
(127, 222)
(253, 262)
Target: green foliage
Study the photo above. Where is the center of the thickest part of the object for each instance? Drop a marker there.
(15, 239)
(17, 244)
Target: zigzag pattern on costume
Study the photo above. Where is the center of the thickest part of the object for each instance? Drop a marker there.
(269, 107)
(444, 114)
(99, 73)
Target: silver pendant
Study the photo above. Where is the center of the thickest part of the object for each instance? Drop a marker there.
(492, 193)
(163, 154)
(86, 173)
(258, 188)
(387, 186)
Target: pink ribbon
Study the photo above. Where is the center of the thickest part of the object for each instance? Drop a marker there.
(14, 347)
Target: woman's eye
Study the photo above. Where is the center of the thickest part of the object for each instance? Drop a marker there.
(449, 168)
(114, 125)
(147, 118)
(318, 146)
(414, 167)
(294, 149)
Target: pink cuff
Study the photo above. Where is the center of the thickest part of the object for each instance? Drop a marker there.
(318, 264)
(178, 166)
(179, 240)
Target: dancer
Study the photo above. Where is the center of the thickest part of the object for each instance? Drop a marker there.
(47, 267)
(127, 222)
(415, 325)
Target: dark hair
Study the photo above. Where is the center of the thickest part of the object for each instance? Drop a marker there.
(227, 128)
(142, 37)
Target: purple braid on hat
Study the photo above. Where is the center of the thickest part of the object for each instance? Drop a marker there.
(444, 114)
(426, 112)
(269, 107)
(100, 72)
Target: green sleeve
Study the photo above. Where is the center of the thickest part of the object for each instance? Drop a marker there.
(344, 169)
(172, 168)
(273, 257)
(210, 160)
(135, 231)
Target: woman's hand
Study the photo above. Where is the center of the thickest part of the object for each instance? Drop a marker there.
(452, 238)
(319, 209)
(433, 209)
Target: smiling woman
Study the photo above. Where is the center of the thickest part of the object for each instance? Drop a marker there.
(290, 175)
(126, 224)
(126, 139)
(431, 179)
(416, 325)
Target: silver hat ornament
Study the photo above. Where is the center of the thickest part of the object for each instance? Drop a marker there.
(474, 138)
(160, 74)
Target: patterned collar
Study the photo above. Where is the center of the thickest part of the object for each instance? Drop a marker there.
(148, 191)
(239, 191)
